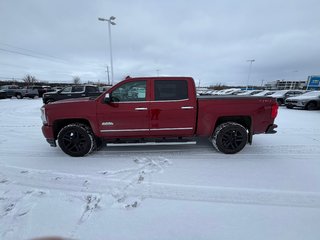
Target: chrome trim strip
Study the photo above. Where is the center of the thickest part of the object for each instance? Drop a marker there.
(181, 100)
(169, 129)
(187, 107)
(144, 130)
(125, 130)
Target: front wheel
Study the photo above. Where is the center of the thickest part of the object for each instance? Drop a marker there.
(19, 96)
(76, 140)
(230, 137)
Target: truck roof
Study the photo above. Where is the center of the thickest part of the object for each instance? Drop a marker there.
(160, 77)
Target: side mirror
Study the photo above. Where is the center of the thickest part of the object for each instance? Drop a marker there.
(107, 98)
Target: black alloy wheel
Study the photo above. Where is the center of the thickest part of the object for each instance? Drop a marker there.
(76, 140)
(230, 137)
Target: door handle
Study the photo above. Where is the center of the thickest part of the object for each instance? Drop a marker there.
(187, 107)
(141, 109)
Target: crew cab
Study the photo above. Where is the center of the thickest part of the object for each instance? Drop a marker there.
(156, 109)
(77, 91)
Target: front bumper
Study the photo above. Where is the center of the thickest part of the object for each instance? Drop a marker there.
(295, 104)
(270, 129)
(48, 134)
(52, 142)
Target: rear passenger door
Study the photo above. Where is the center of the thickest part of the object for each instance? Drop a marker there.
(172, 109)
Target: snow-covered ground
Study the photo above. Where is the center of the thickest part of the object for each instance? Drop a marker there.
(270, 190)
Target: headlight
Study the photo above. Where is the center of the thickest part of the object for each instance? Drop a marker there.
(43, 115)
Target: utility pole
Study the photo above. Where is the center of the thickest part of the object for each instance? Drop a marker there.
(108, 75)
(110, 22)
(251, 61)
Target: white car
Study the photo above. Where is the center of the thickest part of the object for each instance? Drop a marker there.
(264, 93)
(309, 101)
(282, 95)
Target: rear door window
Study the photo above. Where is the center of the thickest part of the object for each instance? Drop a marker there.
(170, 90)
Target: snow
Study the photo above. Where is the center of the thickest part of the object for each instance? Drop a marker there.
(270, 190)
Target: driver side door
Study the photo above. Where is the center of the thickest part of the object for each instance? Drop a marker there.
(127, 114)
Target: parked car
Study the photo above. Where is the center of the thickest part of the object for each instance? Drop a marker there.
(3, 94)
(264, 93)
(77, 91)
(282, 95)
(42, 89)
(229, 91)
(156, 109)
(249, 92)
(309, 101)
(9, 90)
(18, 92)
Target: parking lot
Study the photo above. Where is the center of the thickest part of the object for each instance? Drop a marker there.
(270, 190)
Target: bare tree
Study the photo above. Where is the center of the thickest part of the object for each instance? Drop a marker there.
(76, 80)
(29, 79)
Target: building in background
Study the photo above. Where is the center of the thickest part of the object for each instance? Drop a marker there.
(313, 82)
(285, 84)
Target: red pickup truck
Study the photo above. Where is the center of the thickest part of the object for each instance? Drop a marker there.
(156, 109)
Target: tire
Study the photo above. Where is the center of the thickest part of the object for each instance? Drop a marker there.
(280, 101)
(289, 106)
(230, 137)
(311, 106)
(19, 96)
(76, 140)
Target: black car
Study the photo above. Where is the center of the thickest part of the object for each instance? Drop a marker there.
(3, 94)
(78, 91)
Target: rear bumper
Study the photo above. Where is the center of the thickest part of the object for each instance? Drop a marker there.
(270, 129)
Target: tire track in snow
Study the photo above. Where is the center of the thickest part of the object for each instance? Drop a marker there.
(130, 191)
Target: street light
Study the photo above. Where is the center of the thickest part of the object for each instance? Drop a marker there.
(110, 22)
(251, 61)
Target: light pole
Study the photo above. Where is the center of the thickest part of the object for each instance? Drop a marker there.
(251, 61)
(110, 22)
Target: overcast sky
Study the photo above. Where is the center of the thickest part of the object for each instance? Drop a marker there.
(208, 40)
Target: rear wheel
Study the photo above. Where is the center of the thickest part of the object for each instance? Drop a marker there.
(76, 140)
(311, 106)
(230, 137)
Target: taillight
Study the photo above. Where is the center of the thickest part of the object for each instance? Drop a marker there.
(274, 110)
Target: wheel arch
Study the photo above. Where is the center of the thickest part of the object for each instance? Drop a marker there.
(317, 104)
(59, 124)
(245, 121)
